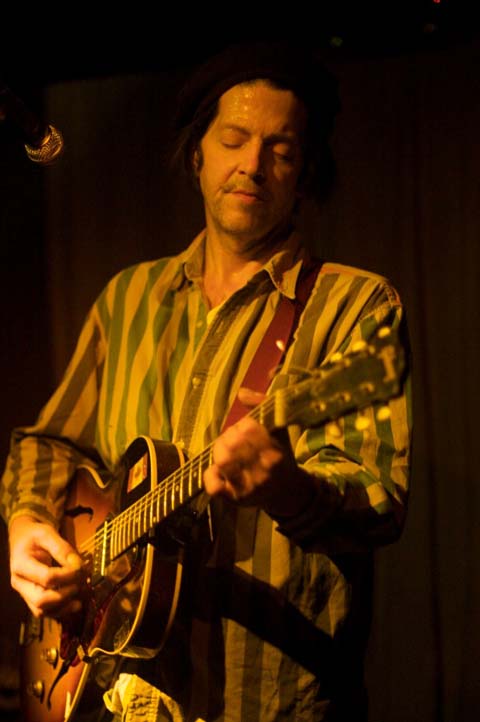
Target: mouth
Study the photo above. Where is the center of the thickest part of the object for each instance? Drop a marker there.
(248, 196)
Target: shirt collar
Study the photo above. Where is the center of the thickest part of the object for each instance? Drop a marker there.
(283, 267)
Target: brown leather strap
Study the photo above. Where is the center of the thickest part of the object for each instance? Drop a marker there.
(276, 340)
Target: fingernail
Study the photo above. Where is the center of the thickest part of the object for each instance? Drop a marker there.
(73, 561)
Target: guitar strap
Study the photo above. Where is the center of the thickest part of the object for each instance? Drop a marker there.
(268, 356)
(276, 339)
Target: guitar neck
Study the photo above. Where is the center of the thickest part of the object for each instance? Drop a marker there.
(140, 518)
(371, 373)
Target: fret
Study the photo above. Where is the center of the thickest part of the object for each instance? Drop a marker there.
(126, 524)
(193, 478)
(180, 489)
(103, 563)
(121, 530)
(165, 511)
(117, 539)
(128, 530)
(153, 519)
(190, 480)
(137, 527)
(113, 540)
(125, 530)
(118, 546)
(136, 520)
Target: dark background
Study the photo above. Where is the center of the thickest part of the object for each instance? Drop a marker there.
(406, 205)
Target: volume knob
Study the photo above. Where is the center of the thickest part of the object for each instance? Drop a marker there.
(36, 689)
(50, 656)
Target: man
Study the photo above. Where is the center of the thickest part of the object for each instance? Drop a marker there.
(274, 620)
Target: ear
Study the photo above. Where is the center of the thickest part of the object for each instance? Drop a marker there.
(196, 161)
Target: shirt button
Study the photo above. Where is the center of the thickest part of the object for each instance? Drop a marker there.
(196, 381)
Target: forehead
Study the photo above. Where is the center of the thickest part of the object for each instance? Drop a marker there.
(259, 107)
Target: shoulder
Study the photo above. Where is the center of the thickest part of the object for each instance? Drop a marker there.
(350, 272)
(141, 277)
(146, 271)
(134, 289)
(351, 281)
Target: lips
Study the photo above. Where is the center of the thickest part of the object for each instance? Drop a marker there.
(245, 193)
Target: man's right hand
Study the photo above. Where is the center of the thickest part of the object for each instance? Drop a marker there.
(36, 549)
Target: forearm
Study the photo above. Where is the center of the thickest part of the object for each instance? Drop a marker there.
(43, 457)
(358, 482)
(353, 511)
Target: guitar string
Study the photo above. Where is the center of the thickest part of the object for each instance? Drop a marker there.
(156, 495)
(123, 521)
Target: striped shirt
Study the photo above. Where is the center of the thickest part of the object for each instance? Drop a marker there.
(278, 617)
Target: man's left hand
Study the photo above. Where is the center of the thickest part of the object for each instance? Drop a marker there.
(256, 468)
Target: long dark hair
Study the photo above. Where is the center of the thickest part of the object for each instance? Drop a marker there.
(318, 174)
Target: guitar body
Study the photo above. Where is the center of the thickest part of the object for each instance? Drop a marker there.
(128, 606)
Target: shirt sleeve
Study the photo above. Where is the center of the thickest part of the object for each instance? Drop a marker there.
(43, 457)
(360, 477)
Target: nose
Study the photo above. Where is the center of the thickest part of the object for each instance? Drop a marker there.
(252, 162)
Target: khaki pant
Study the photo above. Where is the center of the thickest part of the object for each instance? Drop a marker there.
(134, 700)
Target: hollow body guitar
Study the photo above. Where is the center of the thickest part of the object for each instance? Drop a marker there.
(131, 551)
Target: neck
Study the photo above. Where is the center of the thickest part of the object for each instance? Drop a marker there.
(231, 262)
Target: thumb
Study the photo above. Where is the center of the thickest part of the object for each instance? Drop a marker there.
(60, 550)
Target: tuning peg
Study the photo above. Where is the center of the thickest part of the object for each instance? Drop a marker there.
(333, 428)
(336, 357)
(359, 346)
(384, 331)
(36, 689)
(383, 414)
(362, 423)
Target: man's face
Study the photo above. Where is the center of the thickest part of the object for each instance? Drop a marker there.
(250, 161)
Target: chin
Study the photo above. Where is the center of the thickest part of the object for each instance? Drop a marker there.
(249, 227)
(247, 233)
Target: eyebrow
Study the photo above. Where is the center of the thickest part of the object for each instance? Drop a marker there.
(286, 137)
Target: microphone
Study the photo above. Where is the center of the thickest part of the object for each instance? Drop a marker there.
(43, 143)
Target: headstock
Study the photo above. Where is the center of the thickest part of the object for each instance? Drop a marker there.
(370, 373)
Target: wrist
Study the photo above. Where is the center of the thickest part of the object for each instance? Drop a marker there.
(294, 498)
(21, 521)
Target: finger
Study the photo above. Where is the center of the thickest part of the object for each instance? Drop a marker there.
(47, 538)
(53, 601)
(56, 612)
(66, 611)
(31, 569)
(217, 484)
(44, 601)
(214, 481)
(230, 461)
(240, 443)
(250, 398)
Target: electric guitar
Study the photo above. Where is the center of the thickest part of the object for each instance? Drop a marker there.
(130, 547)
